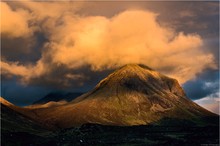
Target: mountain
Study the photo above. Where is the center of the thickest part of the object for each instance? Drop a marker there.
(132, 95)
(134, 105)
(57, 97)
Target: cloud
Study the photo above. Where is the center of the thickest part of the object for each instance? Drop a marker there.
(131, 36)
(26, 72)
(187, 13)
(210, 102)
(15, 23)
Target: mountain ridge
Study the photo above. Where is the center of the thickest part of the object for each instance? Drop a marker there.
(132, 95)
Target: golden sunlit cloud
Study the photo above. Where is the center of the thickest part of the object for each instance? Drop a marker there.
(132, 36)
(14, 23)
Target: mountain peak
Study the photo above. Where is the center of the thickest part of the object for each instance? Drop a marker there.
(134, 65)
(135, 68)
(140, 78)
(136, 71)
(129, 81)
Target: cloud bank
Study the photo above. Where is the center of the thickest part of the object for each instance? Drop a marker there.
(75, 41)
(210, 102)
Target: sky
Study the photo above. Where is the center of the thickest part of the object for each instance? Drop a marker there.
(70, 46)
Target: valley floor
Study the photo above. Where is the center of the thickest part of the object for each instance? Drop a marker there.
(99, 135)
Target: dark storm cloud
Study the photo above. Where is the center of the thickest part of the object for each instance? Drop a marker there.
(15, 49)
(63, 78)
(21, 95)
(24, 50)
(204, 85)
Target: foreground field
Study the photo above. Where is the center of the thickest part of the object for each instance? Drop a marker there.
(98, 135)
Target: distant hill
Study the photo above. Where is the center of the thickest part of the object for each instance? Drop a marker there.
(57, 97)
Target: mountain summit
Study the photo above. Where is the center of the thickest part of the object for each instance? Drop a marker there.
(139, 78)
(132, 95)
